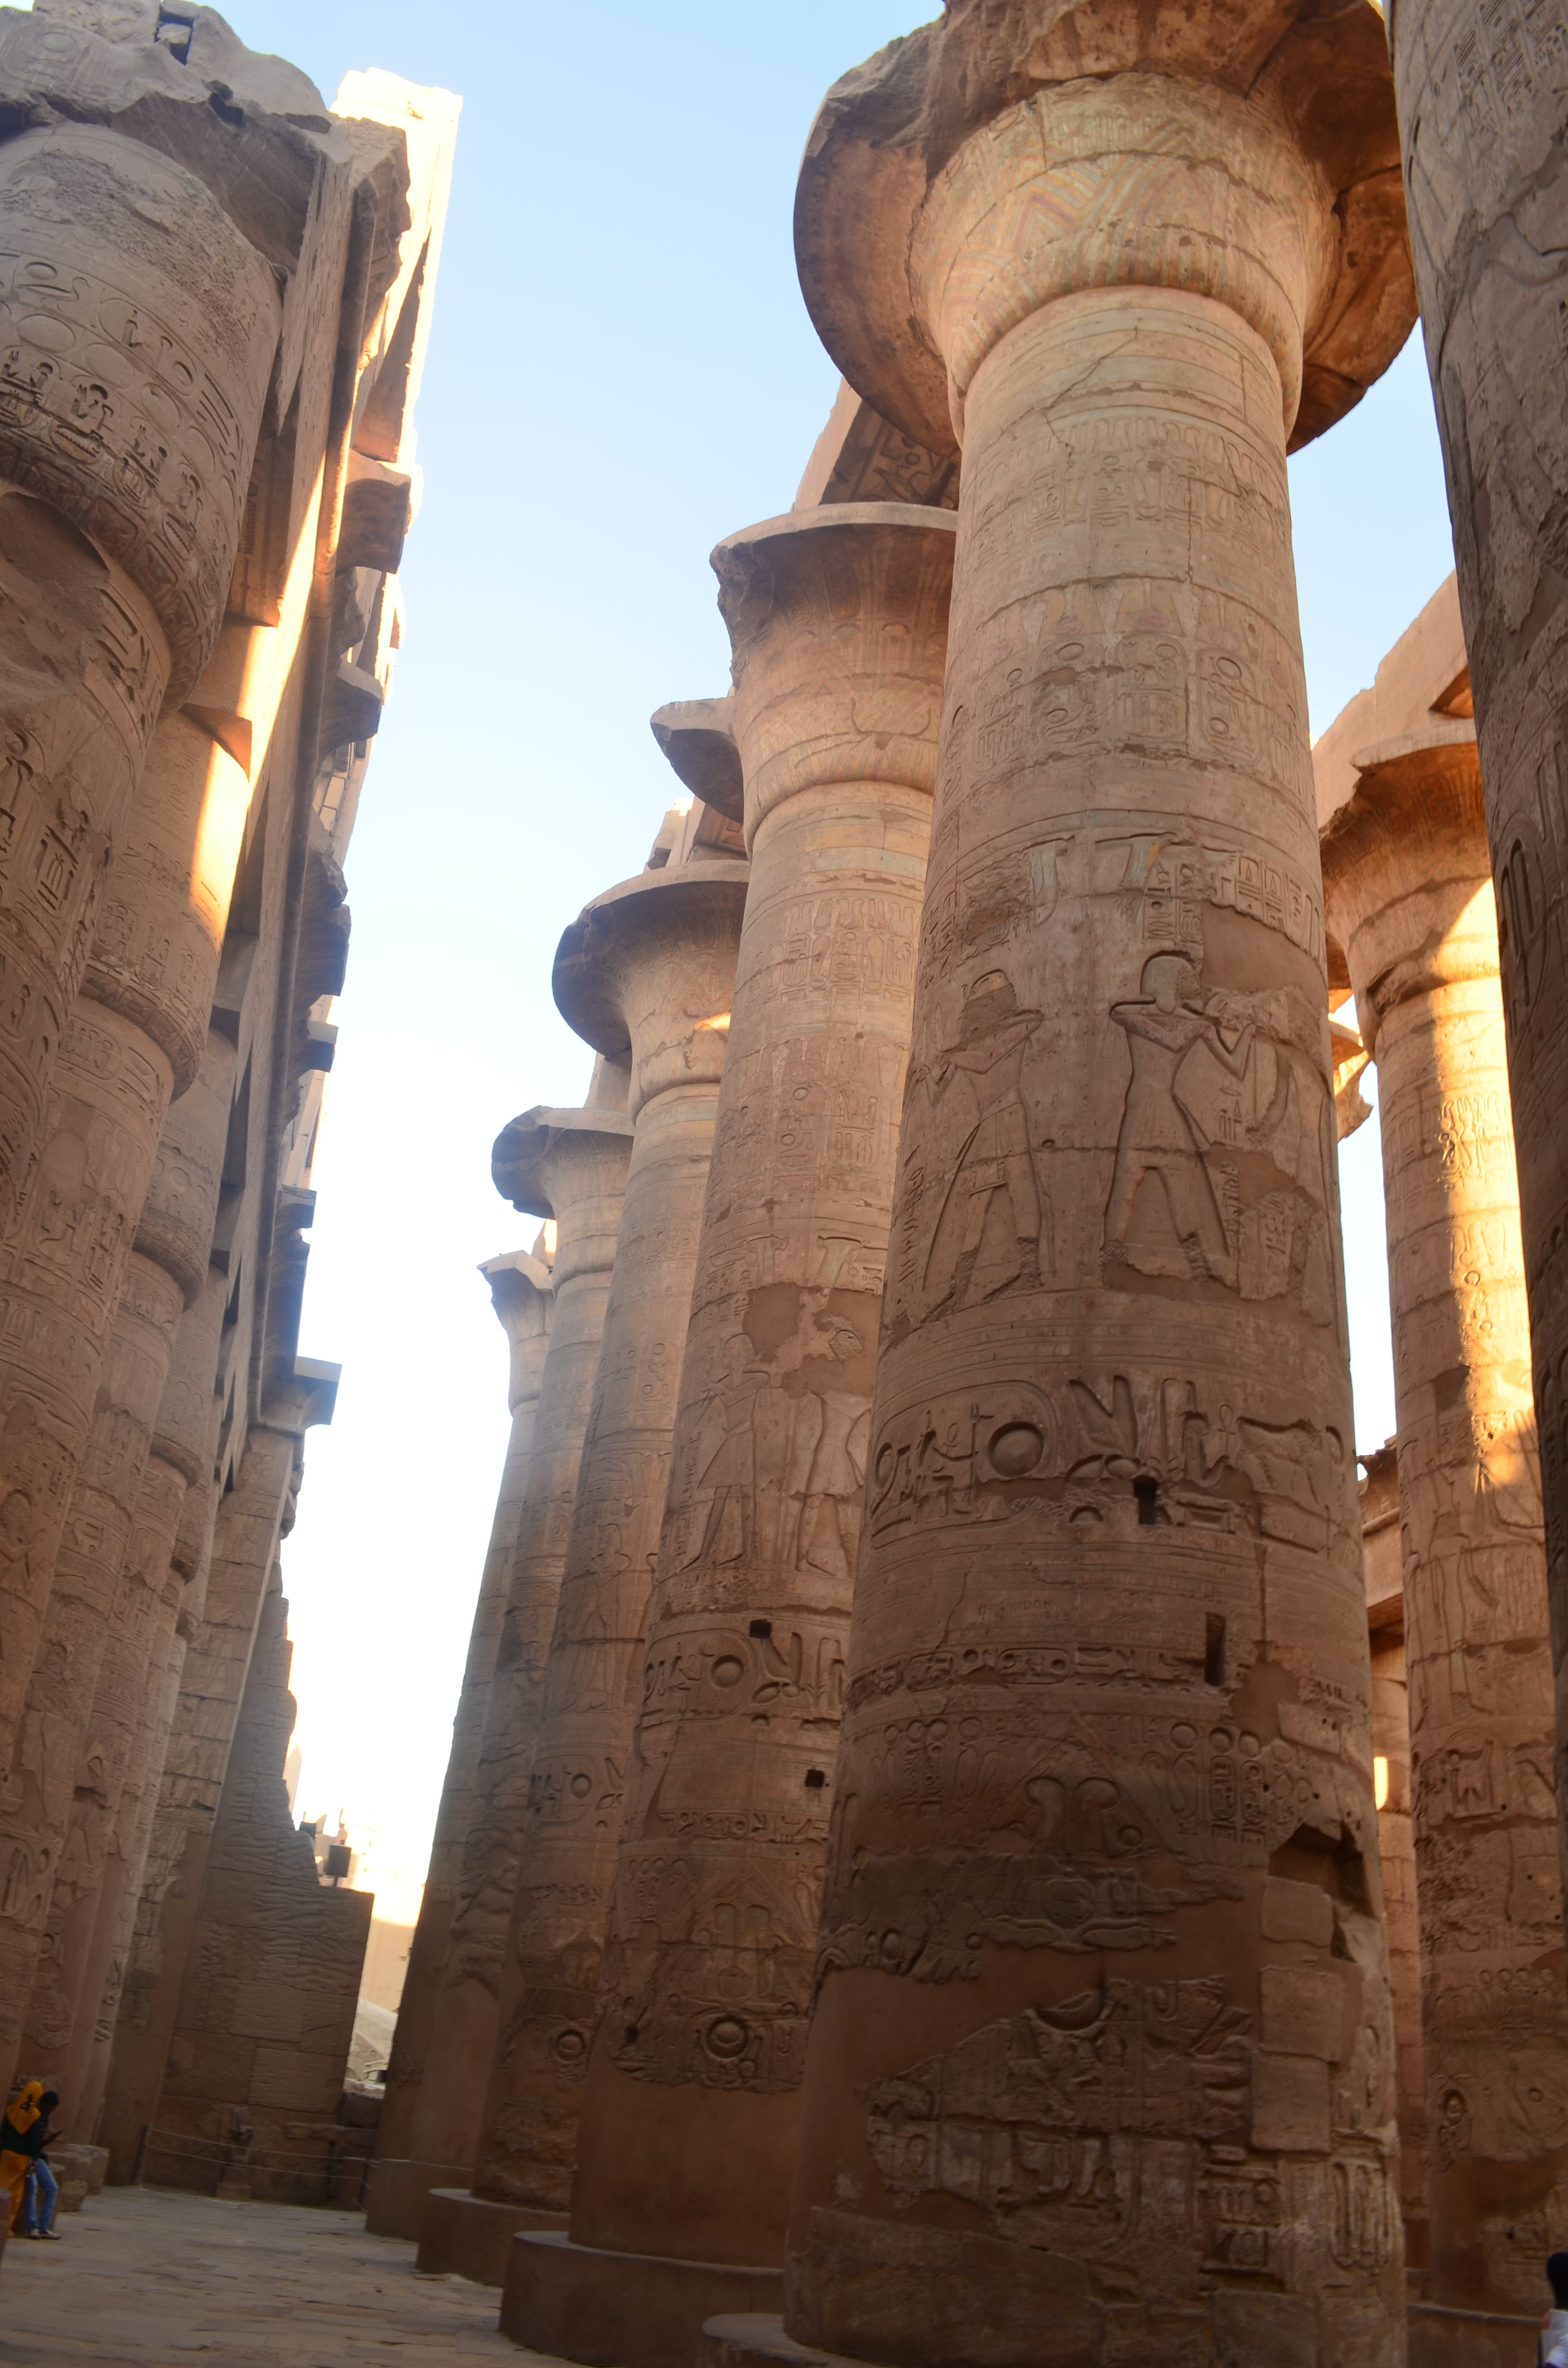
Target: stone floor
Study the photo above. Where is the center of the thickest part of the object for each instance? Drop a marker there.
(144, 2278)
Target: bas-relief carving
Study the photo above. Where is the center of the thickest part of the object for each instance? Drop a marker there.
(1136, 2112)
(1223, 1170)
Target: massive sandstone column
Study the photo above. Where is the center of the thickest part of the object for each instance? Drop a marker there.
(172, 1527)
(1483, 95)
(569, 1164)
(245, 1548)
(1408, 894)
(520, 1293)
(1100, 2061)
(647, 974)
(136, 1037)
(838, 621)
(137, 327)
(114, 1575)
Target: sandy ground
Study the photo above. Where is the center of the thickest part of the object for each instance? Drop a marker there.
(143, 2275)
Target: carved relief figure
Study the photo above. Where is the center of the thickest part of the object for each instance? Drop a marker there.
(1159, 1138)
(994, 1225)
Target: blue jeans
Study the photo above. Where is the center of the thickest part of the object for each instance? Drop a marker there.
(42, 2195)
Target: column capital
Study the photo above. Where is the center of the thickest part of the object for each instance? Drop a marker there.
(838, 621)
(570, 1165)
(697, 739)
(971, 172)
(648, 970)
(522, 1292)
(1407, 876)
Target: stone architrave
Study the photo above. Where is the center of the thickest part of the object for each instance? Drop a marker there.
(520, 1293)
(1407, 893)
(646, 974)
(838, 621)
(136, 1037)
(115, 1569)
(1102, 2042)
(569, 1164)
(1481, 100)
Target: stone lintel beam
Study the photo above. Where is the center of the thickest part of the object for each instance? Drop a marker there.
(698, 737)
(895, 140)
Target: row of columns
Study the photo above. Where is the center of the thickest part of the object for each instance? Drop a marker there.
(995, 1937)
(142, 318)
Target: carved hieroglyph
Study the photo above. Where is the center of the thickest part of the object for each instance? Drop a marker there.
(647, 974)
(1102, 2028)
(115, 1569)
(569, 1164)
(521, 1295)
(137, 328)
(1408, 894)
(838, 622)
(1482, 94)
(74, 1251)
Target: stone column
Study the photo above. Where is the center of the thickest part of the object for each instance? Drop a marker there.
(1396, 1847)
(1102, 2042)
(1408, 894)
(838, 622)
(570, 1165)
(1480, 110)
(648, 974)
(138, 329)
(244, 1546)
(136, 1037)
(520, 1293)
(115, 1576)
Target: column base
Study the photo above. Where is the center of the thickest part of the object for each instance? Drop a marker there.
(756, 2339)
(623, 2310)
(1440, 2338)
(395, 2206)
(470, 2235)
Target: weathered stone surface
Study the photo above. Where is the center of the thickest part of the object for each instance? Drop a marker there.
(837, 617)
(521, 1295)
(647, 975)
(1408, 894)
(1108, 1720)
(116, 1568)
(255, 2071)
(570, 1166)
(90, 1379)
(1480, 104)
(1381, 1547)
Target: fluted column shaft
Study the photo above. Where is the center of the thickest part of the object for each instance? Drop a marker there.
(520, 1292)
(1100, 2059)
(837, 618)
(1408, 892)
(649, 971)
(569, 1164)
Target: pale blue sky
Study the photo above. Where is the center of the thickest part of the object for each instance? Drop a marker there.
(621, 372)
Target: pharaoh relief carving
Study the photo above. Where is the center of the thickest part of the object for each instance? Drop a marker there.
(1222, 1136)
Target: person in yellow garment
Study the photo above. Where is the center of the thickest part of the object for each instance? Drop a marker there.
(22, 2133)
